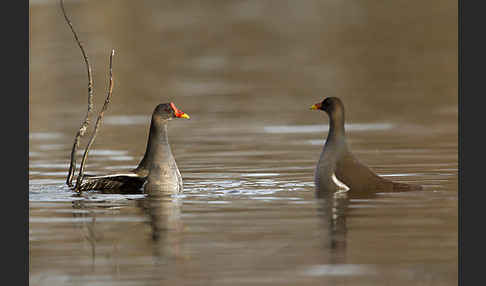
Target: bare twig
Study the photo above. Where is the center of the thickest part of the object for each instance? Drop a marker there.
(79, 179)
(84, 125)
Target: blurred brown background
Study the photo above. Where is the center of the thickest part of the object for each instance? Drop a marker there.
(247, 73)
(386, 59)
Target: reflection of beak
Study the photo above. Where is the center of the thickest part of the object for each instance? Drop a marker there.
(184, 115)
(316, 106)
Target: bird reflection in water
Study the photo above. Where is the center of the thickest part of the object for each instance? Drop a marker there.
(333, 211)
(160, 213)
(88, 227)
(163, 212)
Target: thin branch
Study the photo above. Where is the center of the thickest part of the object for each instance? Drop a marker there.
(79, 179)
(84, 125)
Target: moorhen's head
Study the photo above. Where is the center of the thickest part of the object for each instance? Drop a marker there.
(167, 111)
(331, 105)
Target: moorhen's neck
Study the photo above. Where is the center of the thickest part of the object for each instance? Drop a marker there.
(336, 125)
(158, 148)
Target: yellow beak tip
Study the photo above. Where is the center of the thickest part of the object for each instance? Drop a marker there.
(313, 107)
(186, 116)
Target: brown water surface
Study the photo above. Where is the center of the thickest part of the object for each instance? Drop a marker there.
(247, 72)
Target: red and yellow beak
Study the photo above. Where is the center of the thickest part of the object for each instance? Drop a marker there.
(316, 106)
(178, 113)
(184, 115)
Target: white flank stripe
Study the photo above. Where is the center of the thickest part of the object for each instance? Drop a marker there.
(114, 175)
(339, 184)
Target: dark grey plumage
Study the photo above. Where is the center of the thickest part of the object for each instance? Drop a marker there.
(338, 170)
(127, 183)
(156, 170)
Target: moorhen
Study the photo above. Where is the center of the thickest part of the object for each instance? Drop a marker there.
(157, 168)
(338, 170)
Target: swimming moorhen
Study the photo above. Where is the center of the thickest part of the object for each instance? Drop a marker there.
(157, 167)
(338, 170)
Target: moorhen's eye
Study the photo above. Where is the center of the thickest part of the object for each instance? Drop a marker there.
(325, 104)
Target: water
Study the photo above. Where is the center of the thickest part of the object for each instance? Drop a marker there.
(246, 73)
